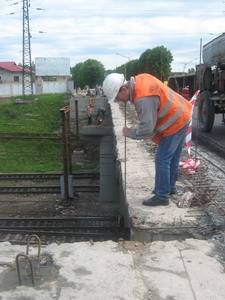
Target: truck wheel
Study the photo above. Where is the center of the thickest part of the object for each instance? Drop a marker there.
(206, 111)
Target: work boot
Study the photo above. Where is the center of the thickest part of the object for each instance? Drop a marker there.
(155, 201)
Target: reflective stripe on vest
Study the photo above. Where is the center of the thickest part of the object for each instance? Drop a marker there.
(173, 118)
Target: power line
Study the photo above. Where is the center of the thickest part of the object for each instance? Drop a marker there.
(131, 10)
(126, 33)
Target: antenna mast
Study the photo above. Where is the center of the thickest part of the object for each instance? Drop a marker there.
(27, 84)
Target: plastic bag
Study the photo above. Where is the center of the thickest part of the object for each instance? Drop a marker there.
(190, 165)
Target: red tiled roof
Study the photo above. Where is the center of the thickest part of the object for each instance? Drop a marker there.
(10, 66)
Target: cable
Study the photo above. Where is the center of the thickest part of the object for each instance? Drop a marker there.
(131, 10)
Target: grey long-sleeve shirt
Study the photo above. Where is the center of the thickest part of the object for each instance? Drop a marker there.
(146, 108)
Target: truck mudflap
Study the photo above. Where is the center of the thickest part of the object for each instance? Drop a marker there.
(206, 111)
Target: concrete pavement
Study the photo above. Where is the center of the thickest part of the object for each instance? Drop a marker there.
(125, 270)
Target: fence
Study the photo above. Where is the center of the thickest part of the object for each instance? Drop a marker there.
(39, 87)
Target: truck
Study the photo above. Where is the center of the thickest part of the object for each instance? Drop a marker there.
(209, 80)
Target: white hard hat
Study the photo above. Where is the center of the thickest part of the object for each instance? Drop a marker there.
(112, 84)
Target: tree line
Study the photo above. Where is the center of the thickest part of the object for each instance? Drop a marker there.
(156, 61)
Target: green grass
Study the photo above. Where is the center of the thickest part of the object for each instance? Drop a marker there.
(31, 119)
(42, 115)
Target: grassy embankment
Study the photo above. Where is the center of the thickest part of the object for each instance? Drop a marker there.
(31, 119)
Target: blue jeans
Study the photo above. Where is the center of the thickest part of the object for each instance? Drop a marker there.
(167, 162)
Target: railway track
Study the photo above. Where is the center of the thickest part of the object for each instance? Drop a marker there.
(24, 211)
(71, 229)
(44, 176)
(47, 188)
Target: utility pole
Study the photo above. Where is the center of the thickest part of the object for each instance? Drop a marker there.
(200, 56)
(27, 84)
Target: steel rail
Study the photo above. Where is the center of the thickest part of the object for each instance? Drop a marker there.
(45, 189)
(107, 227)
(29, 138)
(90, 218)
(60, 228)
(31, 176)
(67, 233)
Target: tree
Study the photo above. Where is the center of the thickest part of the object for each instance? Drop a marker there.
(90, 72)
(144, 62)
(191, 70)
(32, 67)
(77, 75)
(157, 62)
(120, 69)
(133, 68)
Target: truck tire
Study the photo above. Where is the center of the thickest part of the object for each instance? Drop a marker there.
(206, 111)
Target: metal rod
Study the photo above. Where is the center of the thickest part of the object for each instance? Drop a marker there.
(77, 123)
(66, 161)
(18, 267)
(69, 144)
(197, 133)
(65, 165)
(125, 152)
(39, 247)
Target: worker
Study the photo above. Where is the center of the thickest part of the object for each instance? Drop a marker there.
(101, 113)
(164, 117)
(89, 110)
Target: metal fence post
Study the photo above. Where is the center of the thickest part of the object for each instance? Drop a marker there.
(67, 161)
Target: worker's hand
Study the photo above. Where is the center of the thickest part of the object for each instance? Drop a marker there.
(126, 131)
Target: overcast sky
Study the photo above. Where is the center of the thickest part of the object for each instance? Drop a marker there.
(102, 29)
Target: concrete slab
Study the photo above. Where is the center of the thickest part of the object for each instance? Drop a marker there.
(125, 270)
(148, 223)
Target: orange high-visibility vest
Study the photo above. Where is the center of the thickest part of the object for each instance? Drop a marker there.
(174, 111)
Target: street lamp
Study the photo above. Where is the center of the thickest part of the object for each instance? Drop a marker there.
(125, 68)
